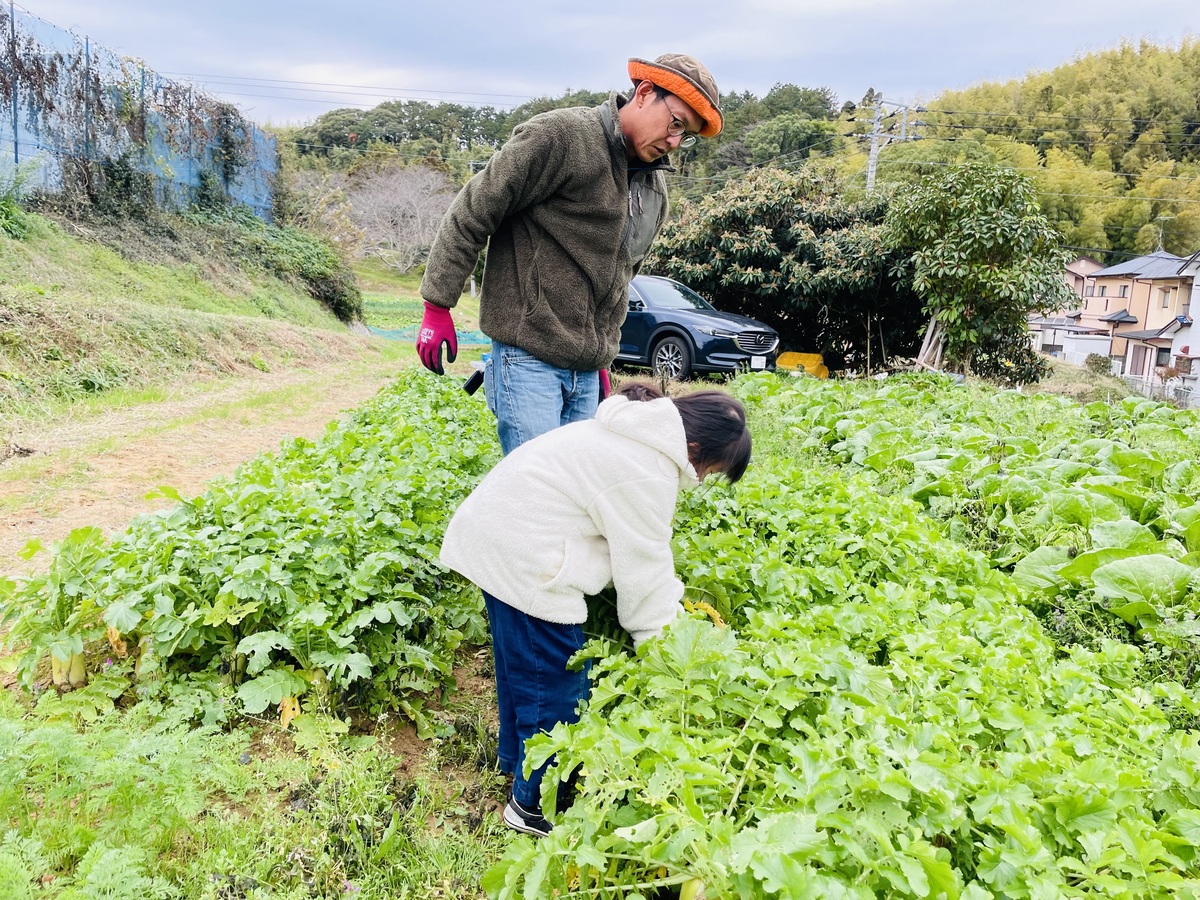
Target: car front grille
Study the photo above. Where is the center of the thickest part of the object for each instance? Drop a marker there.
(757, 341)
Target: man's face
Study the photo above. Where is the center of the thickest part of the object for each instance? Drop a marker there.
(647, 121)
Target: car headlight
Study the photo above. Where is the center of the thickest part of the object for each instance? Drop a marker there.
(716, 332)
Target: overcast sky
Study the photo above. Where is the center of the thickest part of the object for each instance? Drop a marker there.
(287, 62)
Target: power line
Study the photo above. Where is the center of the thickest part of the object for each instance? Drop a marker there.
(918, 162)
(1191, 178)
(1075, 142)
(366, 151)
(251, 81)
(737, 171)
(1124, 253)
(1008, 115)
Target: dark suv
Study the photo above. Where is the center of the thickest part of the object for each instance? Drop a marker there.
(675, 331)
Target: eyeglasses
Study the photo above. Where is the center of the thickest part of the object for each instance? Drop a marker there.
(678, 128)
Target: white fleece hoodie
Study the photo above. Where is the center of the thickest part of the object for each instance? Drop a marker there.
(579, 507)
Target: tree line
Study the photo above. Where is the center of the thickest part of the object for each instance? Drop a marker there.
(772, 219)
(1111, 141)
(789, 119)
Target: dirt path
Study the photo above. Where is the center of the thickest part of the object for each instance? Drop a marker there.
(98, 470)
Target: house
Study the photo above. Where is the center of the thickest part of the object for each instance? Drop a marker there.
(1185, 347)
(1139, 314)
(1078, 274)
(1141, 294)
(1146, 304)
(1063, 336)
(1061, 333)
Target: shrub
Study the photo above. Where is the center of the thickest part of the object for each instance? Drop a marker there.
(12, 220)
(1098, 364)
(119, 189)
(291, 253)
(1009, 360)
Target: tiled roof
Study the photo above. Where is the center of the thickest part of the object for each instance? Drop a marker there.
(1159, 264)
(1120, 316)
(1155, 334)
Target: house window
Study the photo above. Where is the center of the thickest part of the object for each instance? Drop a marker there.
(1104, 290)
(1089, 291)
(1165, 294)
(1163, 356)
(1124, 290)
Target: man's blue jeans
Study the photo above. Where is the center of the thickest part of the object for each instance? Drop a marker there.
(530, 397)
(535, 689)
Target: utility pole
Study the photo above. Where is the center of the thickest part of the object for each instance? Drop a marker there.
(879, 139)
(876, 137)
(1162, 220)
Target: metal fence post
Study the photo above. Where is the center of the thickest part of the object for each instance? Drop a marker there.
(87, 108)
(191, 147)
(12, 34)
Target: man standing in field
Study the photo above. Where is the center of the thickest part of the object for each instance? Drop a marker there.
(568, 209)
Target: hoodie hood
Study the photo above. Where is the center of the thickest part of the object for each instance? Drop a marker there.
(655, 423)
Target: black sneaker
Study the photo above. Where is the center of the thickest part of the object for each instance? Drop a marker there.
(521, 818)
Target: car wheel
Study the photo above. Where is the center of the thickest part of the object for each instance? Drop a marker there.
(671, 358)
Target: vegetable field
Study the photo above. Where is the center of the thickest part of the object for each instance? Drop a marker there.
(958, 658)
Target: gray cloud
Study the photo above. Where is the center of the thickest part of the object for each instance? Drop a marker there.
(488, 52)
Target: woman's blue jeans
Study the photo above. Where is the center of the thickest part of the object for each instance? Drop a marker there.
(535, 689)
(530, 397)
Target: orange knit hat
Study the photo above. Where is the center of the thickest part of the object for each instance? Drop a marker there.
(688, 79)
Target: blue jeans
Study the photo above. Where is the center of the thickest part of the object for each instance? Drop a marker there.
(530, 397)
(534, 688)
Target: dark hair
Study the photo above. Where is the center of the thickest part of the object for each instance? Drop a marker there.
(640, 391)
(716, 423)
(712, 420)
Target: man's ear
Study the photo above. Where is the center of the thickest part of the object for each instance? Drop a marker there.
(644, 89)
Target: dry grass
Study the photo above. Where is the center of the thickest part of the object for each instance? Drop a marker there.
(1082, 385)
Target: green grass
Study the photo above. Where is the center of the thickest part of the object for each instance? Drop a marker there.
(1080, 384)
(130, 804)
(93, 309)
(66, 468)
(182, 273)
(373, 275)
(56, 350)
(392, 300)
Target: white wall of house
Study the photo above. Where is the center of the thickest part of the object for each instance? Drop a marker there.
(1184, 343)
(1077, 347)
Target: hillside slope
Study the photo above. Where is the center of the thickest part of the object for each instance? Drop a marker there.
(88, 309)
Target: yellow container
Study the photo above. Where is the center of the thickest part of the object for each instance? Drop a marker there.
(812, 363)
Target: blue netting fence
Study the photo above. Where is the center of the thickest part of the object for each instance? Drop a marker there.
(70, 108)
(409, 333)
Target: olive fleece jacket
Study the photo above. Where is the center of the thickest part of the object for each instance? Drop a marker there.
(566, 228)
(576, 508)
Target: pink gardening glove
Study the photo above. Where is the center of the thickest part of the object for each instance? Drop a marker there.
(437, 328)
(605, 384)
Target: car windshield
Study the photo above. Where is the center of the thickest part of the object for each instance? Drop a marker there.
(670, 294)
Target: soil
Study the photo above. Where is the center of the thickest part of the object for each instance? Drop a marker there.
(98, 470)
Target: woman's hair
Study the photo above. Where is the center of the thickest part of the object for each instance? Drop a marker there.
(716, 423)
(713, 421)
